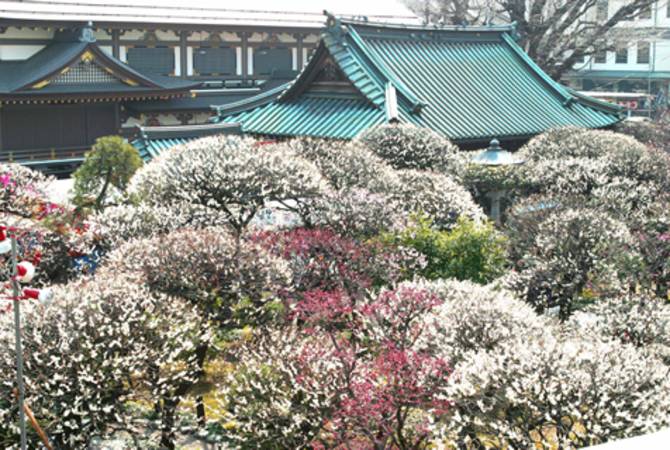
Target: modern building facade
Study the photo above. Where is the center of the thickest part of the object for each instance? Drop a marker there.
(639, 65)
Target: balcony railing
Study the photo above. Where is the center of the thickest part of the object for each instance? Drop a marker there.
(39, 156)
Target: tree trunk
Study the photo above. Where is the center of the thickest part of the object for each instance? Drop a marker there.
(153, 373)
(168, 433)
(201, 355)
(103, 192)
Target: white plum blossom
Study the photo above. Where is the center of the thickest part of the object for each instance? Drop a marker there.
(573, 142)
(119, 224)
(406, 146)
(367, 195)
(640, 320)
(567, 176)
(436, 195)
(282, 388)
(556, 392)
(473, 317)
(577, 161)
(226, 278)
(233, 176)
(559, 250)
(345, 165)
(92, 349)
(357, 212)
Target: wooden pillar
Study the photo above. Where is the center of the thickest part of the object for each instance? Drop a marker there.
(301, 50)
(245, 54)
(115, 43)
(117, 116)
(183, 37)
(0, 126)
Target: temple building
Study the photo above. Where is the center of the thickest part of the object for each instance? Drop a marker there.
(58, 101)
(470, 84)
(72, 71)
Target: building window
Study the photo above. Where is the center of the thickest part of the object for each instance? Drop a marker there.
(602, 10)
(157, 60)
(621, 56)
(643, 50)
(600, 57)
(645, 13)
(214, 61)
(272, 59)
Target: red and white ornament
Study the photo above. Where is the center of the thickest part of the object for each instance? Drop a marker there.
(44, 296)
(25, 272)
(5, 243)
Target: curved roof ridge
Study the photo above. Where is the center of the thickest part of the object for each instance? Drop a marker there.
(348, 62)
(477, 85)
(290, 86)
(58, 56)
(385, 71)
(560, 90)
(568, 95)
(254, 101)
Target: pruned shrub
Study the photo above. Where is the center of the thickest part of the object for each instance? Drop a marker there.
(92, 350)
(475, 318)
(639, 320)
(437, 196)
(561, 250)
(117, 225)
(577, 161)
(230, 280)
(104, 175)
(653, 134)
(232, 176)
(556, 392)
(345, 165)
(468, 251)
(281, 391)
(356, 212)
(406, 146)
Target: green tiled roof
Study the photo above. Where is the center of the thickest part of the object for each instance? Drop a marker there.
(151, 148)
(467, 83)
(341, 118)
(152, 141)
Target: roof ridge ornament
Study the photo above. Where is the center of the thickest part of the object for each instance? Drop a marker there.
(333, 23)
(391, 103)
(514, 32)
(86, 33)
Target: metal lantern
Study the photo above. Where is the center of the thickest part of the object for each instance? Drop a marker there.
(496, 156)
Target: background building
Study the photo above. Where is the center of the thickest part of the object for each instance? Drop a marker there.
(640, 63)
(72, 71)
(470, 84)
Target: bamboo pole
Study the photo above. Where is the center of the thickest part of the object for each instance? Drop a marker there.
(35, 424)
(19, 349)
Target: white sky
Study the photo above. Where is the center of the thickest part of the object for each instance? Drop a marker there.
(343, 7)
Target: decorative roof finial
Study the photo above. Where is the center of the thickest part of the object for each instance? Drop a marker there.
(86, 33)
(334, 24)
(515, 30)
